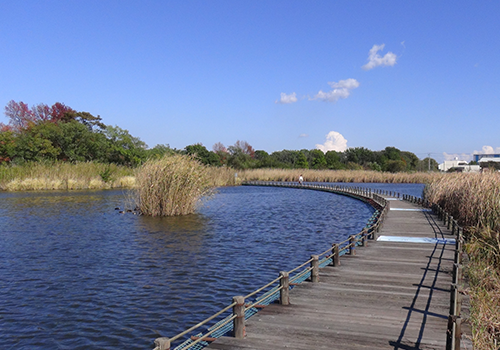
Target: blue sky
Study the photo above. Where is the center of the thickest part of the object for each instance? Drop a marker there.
(422, 76)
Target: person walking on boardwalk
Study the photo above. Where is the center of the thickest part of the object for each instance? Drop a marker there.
(301, 179)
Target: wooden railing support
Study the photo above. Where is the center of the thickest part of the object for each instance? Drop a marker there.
(450, 219)
(352, 245)
(315, 268)
(364, 241)
(239, 321)
(453, 299)
(458, 332)
(454, 332)
(285, 288)
(335, 255)
(457, 273)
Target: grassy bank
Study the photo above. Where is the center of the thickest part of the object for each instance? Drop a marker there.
(83, 176)
(474, 200)
(65, 176)
(336, 176)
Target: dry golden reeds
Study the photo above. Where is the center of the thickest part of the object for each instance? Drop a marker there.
(474, 201)
(312, 175)
(64, 176)
(171, 185)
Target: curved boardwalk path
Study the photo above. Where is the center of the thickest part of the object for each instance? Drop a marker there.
(390, 295)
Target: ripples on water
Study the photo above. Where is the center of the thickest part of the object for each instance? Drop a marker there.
(75, 274)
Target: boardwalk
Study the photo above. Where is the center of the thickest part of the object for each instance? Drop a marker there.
(390, 295)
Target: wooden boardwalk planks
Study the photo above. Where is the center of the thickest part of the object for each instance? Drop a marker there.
(390, 295)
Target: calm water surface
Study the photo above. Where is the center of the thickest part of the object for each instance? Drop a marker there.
(75, 274)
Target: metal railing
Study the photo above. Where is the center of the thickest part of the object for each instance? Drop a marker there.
(278, 289)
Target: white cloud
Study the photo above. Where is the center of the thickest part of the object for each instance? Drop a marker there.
(303, 135)
(285, 99)
(334, 142)
(375, 60)
(488, 150)
(342, 89)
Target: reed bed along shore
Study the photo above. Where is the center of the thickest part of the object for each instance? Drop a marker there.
(65, 176)
(311, 175)
(474, 200)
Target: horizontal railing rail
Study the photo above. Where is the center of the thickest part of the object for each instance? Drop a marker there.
(278, 289)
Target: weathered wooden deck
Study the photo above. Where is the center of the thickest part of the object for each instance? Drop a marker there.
(390, 295)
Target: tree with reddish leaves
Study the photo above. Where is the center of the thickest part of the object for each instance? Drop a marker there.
(219, 148)
(243, 147)
(20, 115)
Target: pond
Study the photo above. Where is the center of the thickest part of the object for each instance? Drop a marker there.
(76, 274)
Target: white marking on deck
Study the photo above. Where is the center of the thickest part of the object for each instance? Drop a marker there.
(416, 240)
(406, 209)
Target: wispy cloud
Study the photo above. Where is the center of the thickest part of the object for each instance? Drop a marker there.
(334, 142)
(303, 135)
(375, 60)
(286, 99)
(342, 89)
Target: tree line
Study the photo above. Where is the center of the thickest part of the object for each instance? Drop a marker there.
(60, 133)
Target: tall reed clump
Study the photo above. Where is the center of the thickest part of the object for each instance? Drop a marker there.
(474, 200)
(171, 185)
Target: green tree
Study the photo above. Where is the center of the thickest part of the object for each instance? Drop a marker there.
(78, 143)
(333, 160)
(395, 166)
(428, 164)
(263, 159)
(159, 151)
(201, 153)
(301, 161)
(411, 160)
(7, 146)
(34, 144)
(124, 148)
(318, 160)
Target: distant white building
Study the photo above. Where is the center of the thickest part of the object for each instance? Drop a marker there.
(460, 165)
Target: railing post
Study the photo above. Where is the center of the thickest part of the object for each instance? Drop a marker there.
(364, 241)
(239, 321)
(450, 219)
(162, 343)
(457, 273)
(315, 269)
(458, 246)
(335, 255)
(458, 332)
(352, 245)
(285, 288)
(450, 333)
(453, 299)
